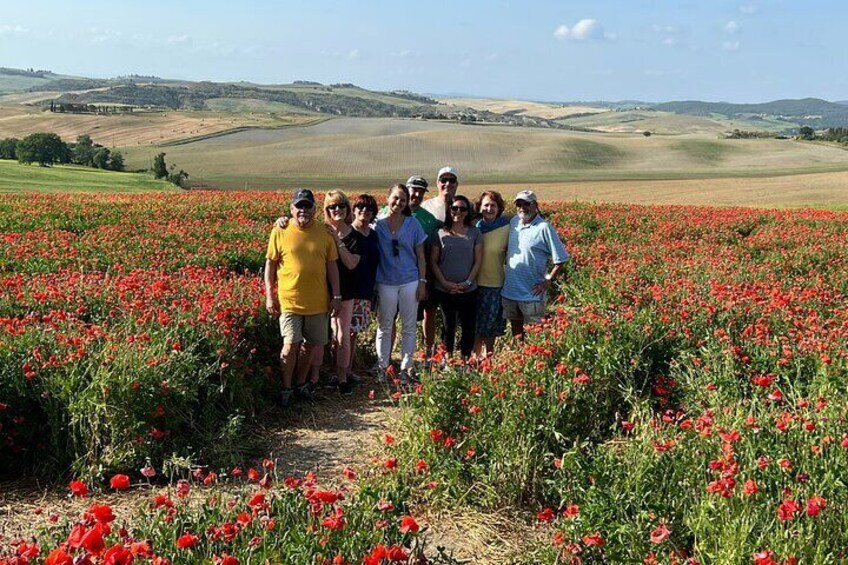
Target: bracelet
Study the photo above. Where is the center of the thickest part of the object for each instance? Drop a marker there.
(341, 244)
(422, 281)
(337, 297)
(468, 282)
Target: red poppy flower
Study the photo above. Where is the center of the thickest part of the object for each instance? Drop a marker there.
(660, 534)
(187, 541)
(78, 488)
(408, 525)
(119, 482)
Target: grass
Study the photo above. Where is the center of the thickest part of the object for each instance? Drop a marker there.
(15, 177)
(704, 151)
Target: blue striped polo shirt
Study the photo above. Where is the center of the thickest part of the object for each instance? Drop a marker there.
(530, 248)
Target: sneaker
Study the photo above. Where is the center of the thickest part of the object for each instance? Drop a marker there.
(354, 378)
(408, 377)
(332, 382)
(285, 398)
(381, 376)
(346, 388)
(306, 391)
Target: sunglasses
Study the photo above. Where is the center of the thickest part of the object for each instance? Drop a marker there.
(395, 248)
(334, 207)
(447, 180)
(304, 206)
(523, 203)
(459, 209)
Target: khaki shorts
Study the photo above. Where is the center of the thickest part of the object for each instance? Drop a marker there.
(529, 312)
(313, 329)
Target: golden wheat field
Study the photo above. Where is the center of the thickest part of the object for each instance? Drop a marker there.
(523, 107)
(135, 129)
(359, 151)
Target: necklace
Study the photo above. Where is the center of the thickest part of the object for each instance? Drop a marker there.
(391, 221)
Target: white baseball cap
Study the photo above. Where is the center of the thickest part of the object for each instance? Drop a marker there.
(447, 171)
(526, 195)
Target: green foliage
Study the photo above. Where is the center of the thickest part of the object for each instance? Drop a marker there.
(83, 151)
(42, 148)
(807, 133)
(8, 148)
(100, 158)
(160, 169)
(116, 163)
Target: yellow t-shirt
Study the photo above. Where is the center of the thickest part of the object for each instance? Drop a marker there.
(491, 272)
(302, 270)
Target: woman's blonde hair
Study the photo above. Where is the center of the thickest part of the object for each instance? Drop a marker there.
(337, 197)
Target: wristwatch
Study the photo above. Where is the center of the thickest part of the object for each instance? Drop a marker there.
(337, 297)
(423, 281)
(549, 277)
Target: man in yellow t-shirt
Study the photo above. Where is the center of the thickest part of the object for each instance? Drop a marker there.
(301, 261)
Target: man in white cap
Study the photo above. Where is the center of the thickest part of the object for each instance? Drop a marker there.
(448, 182)
(533, 242)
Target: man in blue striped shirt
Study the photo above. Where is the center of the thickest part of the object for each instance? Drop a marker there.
(533, 242)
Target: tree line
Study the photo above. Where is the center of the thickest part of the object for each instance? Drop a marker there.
(47, 149)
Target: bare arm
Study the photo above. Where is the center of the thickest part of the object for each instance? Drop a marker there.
(478, 261)
(435, 254)
(272, 301)
(421, 293)
(348, 259)
(333, 279)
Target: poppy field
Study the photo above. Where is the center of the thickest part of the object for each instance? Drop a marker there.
(684, 402)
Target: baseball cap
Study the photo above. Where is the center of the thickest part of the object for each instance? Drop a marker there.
(303, 195)
(417, 182)
(448, 171)
(526, 195)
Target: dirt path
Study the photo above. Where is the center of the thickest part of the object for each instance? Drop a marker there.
(323, 436)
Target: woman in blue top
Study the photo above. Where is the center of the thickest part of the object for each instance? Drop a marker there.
(401, 281)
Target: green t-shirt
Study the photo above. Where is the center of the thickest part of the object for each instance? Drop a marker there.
(427, 220)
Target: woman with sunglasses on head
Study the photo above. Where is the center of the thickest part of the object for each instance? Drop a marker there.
(364, 212)
(401, 278)
(455, 256)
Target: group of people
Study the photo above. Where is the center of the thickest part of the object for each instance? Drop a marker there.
(411, 259)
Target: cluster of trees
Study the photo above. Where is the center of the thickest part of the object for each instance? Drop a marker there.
(48, 148)
(72, 108)
(173, 176)
(835, 134)
(742, 134)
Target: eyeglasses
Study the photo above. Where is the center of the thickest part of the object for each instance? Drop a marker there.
(447, 180)
(459, 209)
(395, 247)
(334, 207)
(304, 205)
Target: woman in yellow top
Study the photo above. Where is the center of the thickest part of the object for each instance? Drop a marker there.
(490, 278)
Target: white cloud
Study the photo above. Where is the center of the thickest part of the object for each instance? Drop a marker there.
(731, 27)
(748, 9)
(100, 36)
(730, 46)
(179, 40)
(584, 30)
(657, 28)
(10, 29)
(353, 54)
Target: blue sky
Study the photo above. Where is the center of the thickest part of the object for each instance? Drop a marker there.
(566, 50)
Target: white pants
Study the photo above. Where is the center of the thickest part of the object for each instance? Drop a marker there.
(391, 300)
